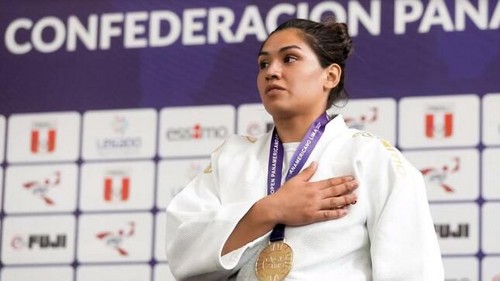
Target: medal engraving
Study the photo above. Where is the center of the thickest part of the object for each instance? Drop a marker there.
(274, 262)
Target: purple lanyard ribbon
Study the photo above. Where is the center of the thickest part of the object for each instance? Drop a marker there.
(299, 158)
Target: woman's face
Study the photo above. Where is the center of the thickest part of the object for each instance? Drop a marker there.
(291, 81)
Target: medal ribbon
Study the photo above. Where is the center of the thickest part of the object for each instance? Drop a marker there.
(299, 158)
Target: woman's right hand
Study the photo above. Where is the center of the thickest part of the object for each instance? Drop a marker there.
(297, 202)
(300, 201)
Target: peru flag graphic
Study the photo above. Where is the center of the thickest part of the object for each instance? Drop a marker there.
(43, 140)
(439, 124)
(116, 188)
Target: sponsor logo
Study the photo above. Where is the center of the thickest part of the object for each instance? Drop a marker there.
(114, 240)
(438, 122)
(449, 231)
(439, 175)
(41, 188)
(361, 121)
(119, 126)
(116, 186)
(40, 241)
(119, 143)
(17, 242)
(196, 132)
(43, 137)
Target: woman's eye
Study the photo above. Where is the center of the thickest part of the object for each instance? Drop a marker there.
(290, 59)
(263, 64)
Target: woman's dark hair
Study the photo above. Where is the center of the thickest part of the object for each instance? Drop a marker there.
(331, 43)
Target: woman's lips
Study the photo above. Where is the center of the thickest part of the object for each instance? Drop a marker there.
(273, 89)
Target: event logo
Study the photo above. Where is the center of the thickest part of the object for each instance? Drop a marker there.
(438, 122)
(43, 137)
(41, 188)
(196, 132)
(120, 142)
(116, 186)
(114, 240)
(361, 121)
(119, 125)
(439, 175)
(40, 241)
(448, 231)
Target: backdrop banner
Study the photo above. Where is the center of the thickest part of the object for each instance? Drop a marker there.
(108, 108)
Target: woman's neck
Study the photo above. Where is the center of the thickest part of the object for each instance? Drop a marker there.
(293, 129)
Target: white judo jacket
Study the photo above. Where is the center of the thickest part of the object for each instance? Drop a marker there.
(388, 235)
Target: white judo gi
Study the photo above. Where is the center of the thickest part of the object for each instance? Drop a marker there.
(387, 235)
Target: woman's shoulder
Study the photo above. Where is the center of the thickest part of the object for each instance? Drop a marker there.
(364, 141)
(365, 138)
(377, 150)
(238, 143)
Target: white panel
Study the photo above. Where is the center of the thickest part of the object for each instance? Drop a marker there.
(38, 239)
(491, 119)
(119, 134)
(253, 120)
(194, 131)
(457, 227)
(43, 137)
(377, 116)
(115, 237)
(41, 188)
(449, 174)
(174, 175)
(439, 121)
(117, 186)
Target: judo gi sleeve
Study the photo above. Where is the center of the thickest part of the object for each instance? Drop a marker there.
(403, 240)
(198, 226)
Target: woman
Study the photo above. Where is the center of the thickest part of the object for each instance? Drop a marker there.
(253, 216)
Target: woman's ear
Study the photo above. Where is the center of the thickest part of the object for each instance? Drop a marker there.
(333, 73)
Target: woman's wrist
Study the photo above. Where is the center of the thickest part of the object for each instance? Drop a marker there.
(268, 211)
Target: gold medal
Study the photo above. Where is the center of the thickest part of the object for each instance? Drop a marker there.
(274, 262)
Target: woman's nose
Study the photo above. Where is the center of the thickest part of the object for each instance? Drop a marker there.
(273, 71)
